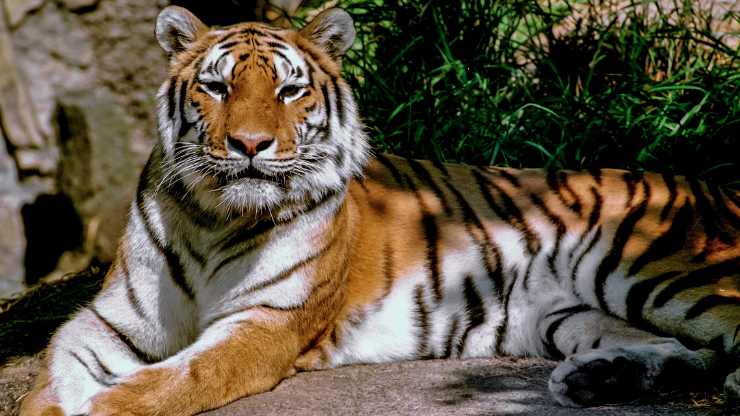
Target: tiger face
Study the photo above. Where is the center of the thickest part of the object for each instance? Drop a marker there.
(255, 118)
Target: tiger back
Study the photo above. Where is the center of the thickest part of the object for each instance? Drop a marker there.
(264, 240)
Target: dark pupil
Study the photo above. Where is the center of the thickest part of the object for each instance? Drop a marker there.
(216, 88)
(289, 91)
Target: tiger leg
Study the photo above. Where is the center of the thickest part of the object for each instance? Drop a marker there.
(83, 359)
(609, 361)
(244, 354)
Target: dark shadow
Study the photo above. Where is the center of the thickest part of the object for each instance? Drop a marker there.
(52, 227)
(27, 324)
(524, 390)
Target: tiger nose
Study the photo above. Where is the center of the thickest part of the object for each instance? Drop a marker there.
(241, 145)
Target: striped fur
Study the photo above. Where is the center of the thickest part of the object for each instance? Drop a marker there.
(235, 272)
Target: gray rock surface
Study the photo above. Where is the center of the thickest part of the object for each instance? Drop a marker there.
(17, 9)
(436, 388)
(97, 64)
(430, 388)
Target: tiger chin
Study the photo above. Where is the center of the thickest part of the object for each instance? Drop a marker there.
(263, 240)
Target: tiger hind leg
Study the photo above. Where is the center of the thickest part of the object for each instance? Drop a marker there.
(609, 361)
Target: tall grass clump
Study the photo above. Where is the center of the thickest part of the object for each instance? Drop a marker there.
(649, 85)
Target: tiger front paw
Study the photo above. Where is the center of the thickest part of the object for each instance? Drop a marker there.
(148, 392)
(589, 380)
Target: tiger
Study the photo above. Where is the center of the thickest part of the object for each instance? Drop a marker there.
(265, 238)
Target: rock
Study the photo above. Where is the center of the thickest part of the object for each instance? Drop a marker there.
(12, 239)
(16, 112)
(77, 5)
(12, 247)
(41, 161)
(8, 174)
(98, 170)
(18, 9)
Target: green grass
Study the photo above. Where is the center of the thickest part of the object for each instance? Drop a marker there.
(490, 82)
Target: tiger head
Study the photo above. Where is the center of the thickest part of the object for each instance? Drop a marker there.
(258, 118)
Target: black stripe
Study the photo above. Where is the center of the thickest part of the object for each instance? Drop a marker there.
(489, 251)
(502, 330)
(596, 344)
(247, 238)
(638, 295)
(670, 183)
(560, 230)
(708, 220)
(596, 211)
(327, 103)
(387, 270)
(422, 322)
(177, 271)
(339, 98)
(593, 219)
(429, 227)
(549, 341)
(450, 343)
(431, 236)
(101, 365)
(722, 208)
(228, 45)
(89, 370)
(277, 45)
(509, 212)
(125, 339)
(316, 60)
(513, 180)
(287, 273)
(439, 165)
(667, 243)
(130, 291)
(702, 277)
(708, 302)
(631, 179)
(426, 177)
(171, 89)
(558, 183)
(613, 258)
(193, 253)
(391, 168)
(185, 126)
(476, 313)
(594, 240)
(193, 212)
(596, 175)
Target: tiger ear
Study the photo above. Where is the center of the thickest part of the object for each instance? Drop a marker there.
(177, 28)
(332, 30)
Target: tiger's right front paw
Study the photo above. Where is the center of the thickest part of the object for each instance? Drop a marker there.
(591, 379)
